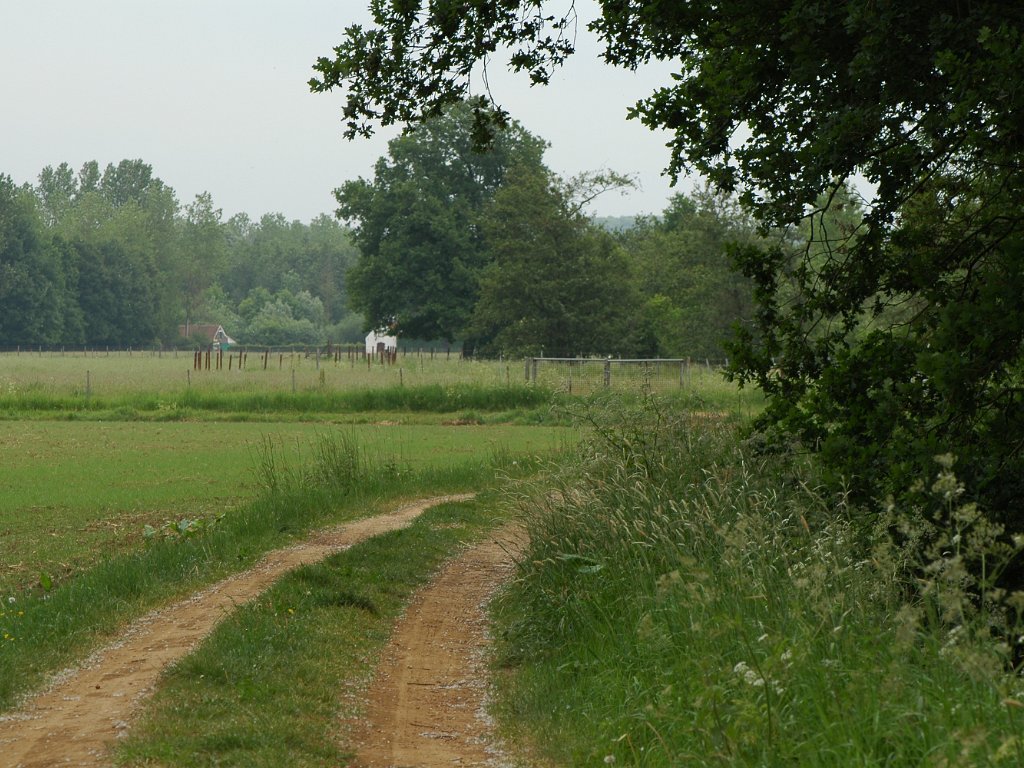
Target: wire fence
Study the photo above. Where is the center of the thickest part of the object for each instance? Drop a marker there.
(329, 351)
(587, 375)
(338, 366)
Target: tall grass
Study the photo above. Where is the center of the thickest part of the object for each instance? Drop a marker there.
(685, 602)
(429, 398)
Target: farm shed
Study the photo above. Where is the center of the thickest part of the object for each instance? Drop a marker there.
(377, 341)
(211, 333)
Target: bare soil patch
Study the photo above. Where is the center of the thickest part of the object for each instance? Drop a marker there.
(84, 710)
(426, 704)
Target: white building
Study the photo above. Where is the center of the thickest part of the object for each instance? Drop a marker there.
(378, 341)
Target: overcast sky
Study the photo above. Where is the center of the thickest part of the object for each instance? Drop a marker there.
(213, 94)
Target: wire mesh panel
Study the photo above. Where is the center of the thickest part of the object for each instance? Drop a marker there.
(587, 375)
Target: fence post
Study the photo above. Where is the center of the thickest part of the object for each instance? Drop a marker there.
(608, 372)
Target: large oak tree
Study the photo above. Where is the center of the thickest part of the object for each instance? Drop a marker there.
(417, 224)
(556, 284)
(903, 338)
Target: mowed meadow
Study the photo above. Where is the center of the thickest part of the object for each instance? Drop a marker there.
(74, 491)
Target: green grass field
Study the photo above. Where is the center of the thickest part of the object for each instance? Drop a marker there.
(72, 492)
(172, 373)
(129, 480)
(685, 598)
(94, 447)
(98, 453)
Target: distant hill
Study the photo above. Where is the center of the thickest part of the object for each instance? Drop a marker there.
(615, 223)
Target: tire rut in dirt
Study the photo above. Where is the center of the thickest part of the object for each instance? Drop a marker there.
(84, 710)
(426, 704)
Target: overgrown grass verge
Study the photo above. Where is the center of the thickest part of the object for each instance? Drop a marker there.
(257, 405)
(42, 632)
(276, 682)
(686, 602)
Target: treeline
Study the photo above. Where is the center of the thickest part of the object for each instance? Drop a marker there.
(110, 257)
(494, 249)
(491, 250)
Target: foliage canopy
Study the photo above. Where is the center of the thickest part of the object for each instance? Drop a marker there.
(109, 258)
(417, 223)
(555, 285)
(884, 338)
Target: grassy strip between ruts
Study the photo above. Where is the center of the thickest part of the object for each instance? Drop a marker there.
(276, 682)
(40, 634)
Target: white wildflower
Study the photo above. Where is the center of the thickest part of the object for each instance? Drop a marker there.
(750, 677)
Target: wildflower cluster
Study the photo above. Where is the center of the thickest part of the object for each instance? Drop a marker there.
(957, 556)
(8, 616)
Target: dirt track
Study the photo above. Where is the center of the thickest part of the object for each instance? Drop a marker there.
(73, 722)
(426, 706)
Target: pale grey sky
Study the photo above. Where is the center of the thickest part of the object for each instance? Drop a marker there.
(213, 94)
